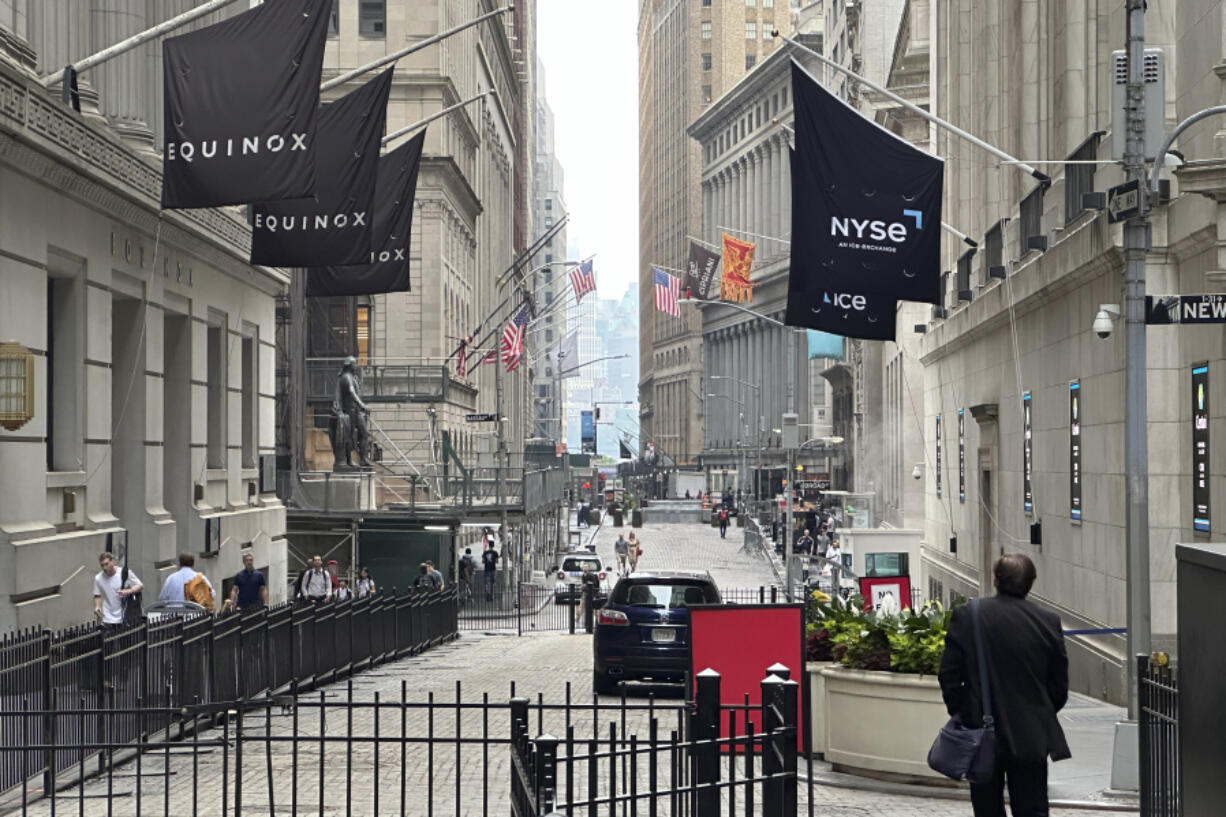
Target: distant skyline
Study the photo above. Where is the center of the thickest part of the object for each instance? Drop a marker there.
(591, 82)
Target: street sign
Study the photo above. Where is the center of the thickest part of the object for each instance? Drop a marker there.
(1168, 309)
(1124, 201)
(480, 418)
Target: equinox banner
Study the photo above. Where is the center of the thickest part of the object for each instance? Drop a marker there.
(334, 226)
(388, 270)
(700, 271)
(866, 204)
(241, 103)
(851, 314)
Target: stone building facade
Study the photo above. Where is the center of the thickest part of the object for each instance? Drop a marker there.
(690, 52)
(151, 337)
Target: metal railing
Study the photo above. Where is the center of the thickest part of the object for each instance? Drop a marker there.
(1158, 714)
(380, 382)
(78, 673)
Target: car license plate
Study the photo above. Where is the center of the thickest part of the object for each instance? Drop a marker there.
(663, 635)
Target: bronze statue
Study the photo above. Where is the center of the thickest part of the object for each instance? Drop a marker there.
(348, 427)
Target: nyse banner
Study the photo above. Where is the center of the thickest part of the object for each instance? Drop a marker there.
(961, 455)
(587, 432)
(1027, 455)
(241, 106)
(850, 313)
(938, 456)
(335, 225)
(388, 270)
(866, 206)
(1074, 449)
(1200, 448)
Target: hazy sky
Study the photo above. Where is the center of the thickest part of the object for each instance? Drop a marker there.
(589, 51)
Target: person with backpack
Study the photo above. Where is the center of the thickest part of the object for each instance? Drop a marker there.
(185, 584)
(428, 579)
(489, 560)
(117, 594)
(468, 567)
(723, 523)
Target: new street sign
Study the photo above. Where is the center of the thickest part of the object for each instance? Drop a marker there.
(1168, 309)
(480, 418)
(1124, 201)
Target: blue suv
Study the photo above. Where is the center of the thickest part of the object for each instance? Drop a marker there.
(643, 631)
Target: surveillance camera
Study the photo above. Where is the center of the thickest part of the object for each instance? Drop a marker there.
(917, 472)
(1102, 324)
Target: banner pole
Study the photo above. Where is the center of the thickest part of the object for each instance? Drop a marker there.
(404, 52)
(421, 123)
(936, 120)
(137, 39)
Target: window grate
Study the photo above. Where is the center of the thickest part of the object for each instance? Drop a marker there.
(1030, 224)
(1078, 178)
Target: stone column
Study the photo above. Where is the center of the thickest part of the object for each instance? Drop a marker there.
(785, 191)
(124, 93)
(755, 179)
(772, 218)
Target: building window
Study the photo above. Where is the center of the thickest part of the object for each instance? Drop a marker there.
(1030, 224)
(250, 401)
(751, 31)
(216, 403)
(372, 18)
(706, 4)
(750, 3)
(750, 60)
(768, 4)
(548, 257)
(766, 32)
(706, 95)
(64, 365)
(993, 249)
(548, 336)
(548, 275)
(334, 19)
(1079, 179)
(548, 205)
(706, 62)
(784, 103)
(706, 31)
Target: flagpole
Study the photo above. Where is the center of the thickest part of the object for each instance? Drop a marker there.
(140, 38)
(705, 243)
(755, 235)
(911, 106)
(404, 52)
(421, 123)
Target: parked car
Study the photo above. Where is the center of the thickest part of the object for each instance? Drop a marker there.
(643, 630)
(570, 573)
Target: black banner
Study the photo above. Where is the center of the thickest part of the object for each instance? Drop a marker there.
(335, 226)
(961, 455)
(241, 103)
(938, 456)
(851, 314)
(1027, 456)
(1074, 449)
(1200, 448)
(388, 270)
(700, 271)
(866, 207)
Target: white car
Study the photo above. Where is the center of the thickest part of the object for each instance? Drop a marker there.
(570, 573)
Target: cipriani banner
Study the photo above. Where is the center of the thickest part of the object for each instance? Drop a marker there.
(241, 102)
(335, 226)
(387, 267)
(866, 205)
(849, 313)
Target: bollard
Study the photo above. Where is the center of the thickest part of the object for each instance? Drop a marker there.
(546, 768)
(588, 598)
(772, 751)
(704, 730)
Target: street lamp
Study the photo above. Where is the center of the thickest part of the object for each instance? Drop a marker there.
(758, 426)
(740, 437)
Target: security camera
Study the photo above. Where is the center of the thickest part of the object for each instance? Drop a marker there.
(1104, 321)
(917, 472)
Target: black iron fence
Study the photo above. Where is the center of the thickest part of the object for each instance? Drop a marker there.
(1158, 705)
(99, 689)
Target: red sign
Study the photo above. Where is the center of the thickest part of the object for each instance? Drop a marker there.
(892, 593)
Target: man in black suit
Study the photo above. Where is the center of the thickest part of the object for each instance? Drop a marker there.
(1028, 673)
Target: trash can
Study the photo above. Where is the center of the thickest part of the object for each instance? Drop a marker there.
(593, 516)
(617, 519)
(636, 518)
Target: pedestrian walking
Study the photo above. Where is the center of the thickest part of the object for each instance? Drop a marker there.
(366, 584)
(437, 577)
(467, 568)
(185, 584)
(343, 592)
(589, 585)
(489, 561)
(634, 550)
(834, 558)
(250, 590)
(315, 583)
(621, 549)
(804, 545)
(1027, 674)
(117, 593)
(723, 523)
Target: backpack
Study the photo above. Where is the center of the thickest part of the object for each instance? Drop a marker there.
(198, 590)
(133, 610)
(466, 566)
(489, 558)
(723, 516)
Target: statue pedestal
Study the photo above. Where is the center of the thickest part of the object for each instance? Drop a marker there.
(350, 490)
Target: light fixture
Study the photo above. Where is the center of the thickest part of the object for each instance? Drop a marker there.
(441, 528)
(16, 385)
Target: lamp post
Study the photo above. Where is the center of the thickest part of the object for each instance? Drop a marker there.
(761, 419)
(740, 436)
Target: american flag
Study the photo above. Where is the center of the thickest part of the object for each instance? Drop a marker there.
(583, 280)
(668, 291)
(461, 365)
(490, 357)
(513, 340)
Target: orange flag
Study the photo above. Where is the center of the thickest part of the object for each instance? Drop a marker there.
(738, 261)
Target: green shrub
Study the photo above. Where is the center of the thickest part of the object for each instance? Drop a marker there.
(910, 641)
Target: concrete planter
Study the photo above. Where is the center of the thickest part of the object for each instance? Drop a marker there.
(881, 723)
(817, 704)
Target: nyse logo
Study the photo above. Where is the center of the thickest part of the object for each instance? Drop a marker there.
(875, 230)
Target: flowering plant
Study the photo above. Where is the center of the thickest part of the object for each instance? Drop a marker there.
(907, 641)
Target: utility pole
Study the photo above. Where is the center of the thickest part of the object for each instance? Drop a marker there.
(1136, 453)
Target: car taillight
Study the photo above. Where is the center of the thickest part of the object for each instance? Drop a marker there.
(561, 575)
(602, 575)
(612, 618)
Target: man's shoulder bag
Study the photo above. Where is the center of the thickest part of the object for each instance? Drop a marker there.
(133, 609)
(960, 752)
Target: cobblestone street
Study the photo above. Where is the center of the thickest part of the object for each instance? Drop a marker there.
(553, 668)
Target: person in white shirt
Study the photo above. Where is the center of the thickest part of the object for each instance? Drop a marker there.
(172, 588)
(108, 594)
(315, 584)
(835, 554)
